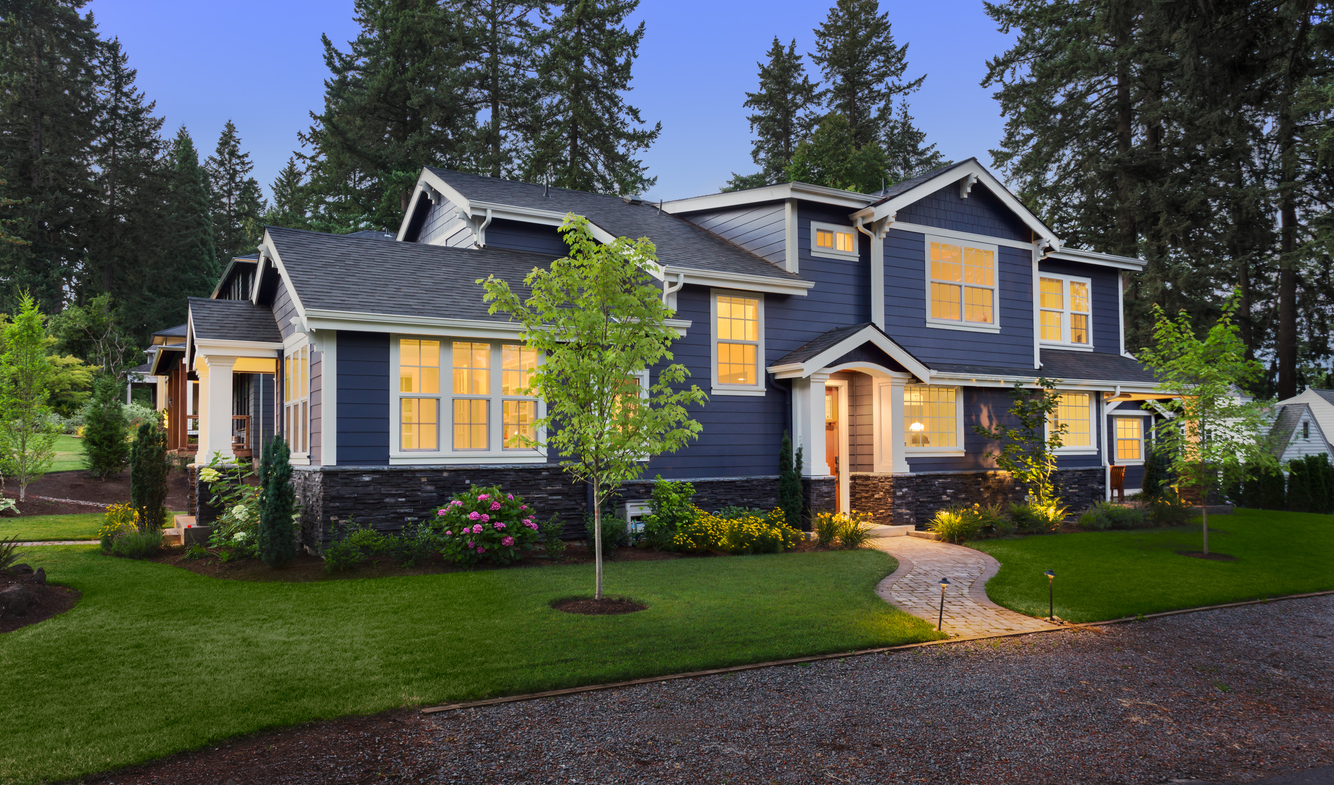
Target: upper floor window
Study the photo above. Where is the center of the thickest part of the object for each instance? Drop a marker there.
(961, 289)
(296, 399)
(1074, 410)
(1064, 310)
(738, 343)
(839, 242)
(932, 417)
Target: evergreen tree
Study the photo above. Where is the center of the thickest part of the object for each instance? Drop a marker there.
(192, 266)
(48, 55)
(291, 200)
(1155, 472)
(148, 476)
(105, 438)
(396, 101)
(1316, 477)
(509, 44)
(590, 136)
(789, 484)
(783, 114)
(237, 202)
(832, 158)
(276, 537)
(1299, 488)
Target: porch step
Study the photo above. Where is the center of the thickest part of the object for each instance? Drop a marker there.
(890, 531)
(924, 535)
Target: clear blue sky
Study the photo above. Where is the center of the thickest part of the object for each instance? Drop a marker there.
(260, 63)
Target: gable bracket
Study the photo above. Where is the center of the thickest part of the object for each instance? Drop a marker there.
(966, 185)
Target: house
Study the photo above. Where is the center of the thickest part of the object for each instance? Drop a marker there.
(1301, 424)
(878, 329)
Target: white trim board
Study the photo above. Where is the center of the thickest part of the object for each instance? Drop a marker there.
(868, 334)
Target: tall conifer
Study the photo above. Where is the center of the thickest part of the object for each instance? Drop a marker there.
(291, 200)
(508, 44)
(192, 266)
(782, 114)
(237, 202)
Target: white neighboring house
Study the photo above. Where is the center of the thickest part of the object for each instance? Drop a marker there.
(1302, 425)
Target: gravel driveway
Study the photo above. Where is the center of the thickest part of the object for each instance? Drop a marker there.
(1227, 696)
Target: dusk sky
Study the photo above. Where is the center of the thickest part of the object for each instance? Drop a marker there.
(260, 63)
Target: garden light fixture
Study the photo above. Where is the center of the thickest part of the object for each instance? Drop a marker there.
(944, 584)
(1051, 579)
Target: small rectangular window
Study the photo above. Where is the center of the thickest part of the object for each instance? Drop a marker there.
(472, 368)
(1129, 439)
(963, 283)
(519, 417)
(931, 415)
(835, 241)
(419, 388)
(1074, 410)
(296, 399)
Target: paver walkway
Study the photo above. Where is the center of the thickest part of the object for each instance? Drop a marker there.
(915, 587)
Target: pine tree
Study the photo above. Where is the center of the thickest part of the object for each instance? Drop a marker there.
(509, 43)
(783, 115)
(396, 101)
(148, 476)
(48, 57)
(1299, 488)
(192, 262)
(789, 484)
(237, 202)
(291, 200)
(590, 136)
(276, 538)
(105, 438)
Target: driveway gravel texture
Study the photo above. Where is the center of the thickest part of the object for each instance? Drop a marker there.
(1230, 695)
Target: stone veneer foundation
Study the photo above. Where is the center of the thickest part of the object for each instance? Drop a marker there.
(914, 499)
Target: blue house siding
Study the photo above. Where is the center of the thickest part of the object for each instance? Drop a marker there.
(841, 296)
(905, 308)
(526, 237)
(760, 229)
(445, 224)
(1106, 308)
(363, 399)
(980, 213)
(283, 310)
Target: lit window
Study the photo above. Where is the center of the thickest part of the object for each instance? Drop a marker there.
(835, 241)
(932, 416)
(1065, 309)
(296, 400)
(472, 388)
(1074, 410)
(418, 378)
(1129, 439)
(737, 341)
(518, 412)
(963, 283)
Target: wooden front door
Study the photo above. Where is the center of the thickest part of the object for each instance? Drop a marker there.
(831, 441)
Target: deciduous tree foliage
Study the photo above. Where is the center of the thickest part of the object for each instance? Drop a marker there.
(26, 437)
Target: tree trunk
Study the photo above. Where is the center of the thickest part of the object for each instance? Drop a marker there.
(1204, 516)
(1287, 192)
(597, 536)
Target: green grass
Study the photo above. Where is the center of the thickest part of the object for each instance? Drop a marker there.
(156, 659)
(69, 454)
(1109, 575)
(83, 526)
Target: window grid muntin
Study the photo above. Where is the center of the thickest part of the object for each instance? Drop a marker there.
(419, 394)
(296, 399)
(737, 327)
(518, 413)
(1129, 433)
(1075, 410)
(962, 283)
(1066, 310)
(937, 409)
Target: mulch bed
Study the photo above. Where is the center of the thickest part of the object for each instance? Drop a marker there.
(51, 601)
(78, 485)
(607, 606)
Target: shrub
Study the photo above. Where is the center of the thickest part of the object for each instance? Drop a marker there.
(615, 531)
(276, 533)
(733, 513)
(1032, 518)
(1169, 509)
(854, 530)
(825, 525)
(137, 544)
(1265, 488)
(119, 519)
(105, 436)
(9, 552)
(346, 551)
(789, 482)
(485, 524)
(955, 524)
(1105, 515)
(768, 533)
(551, 537)
(148, 476)
(992, 520)
(1155, 472)
(196, 551)
(416, 543)
(669, 507)
(1299, 488)
(1316, 478)
(136, 414)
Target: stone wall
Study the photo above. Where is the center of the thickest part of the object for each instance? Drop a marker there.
(819, 495)
(198, 497)
(715, 493)
(914, 499)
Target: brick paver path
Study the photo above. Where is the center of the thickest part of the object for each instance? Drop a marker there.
(915, 587)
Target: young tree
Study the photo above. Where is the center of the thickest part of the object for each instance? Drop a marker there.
(105, 433)
(95, 333)
(237, 202)
(1028, 447)
(591, 136)
(275, 537)
(782, 114)
(1218, 432)
(27, 439)
(148, 476)
(598, 321)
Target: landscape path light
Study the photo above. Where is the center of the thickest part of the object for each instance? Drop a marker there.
(1051, 579)
(944, 584)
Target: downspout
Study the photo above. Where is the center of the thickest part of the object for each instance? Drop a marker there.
(481, 230)
(877, 236)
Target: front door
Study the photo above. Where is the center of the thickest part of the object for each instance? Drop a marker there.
(831, 442)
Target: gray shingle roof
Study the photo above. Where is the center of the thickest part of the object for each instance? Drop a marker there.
(1286, 422)
(1058, 364)
(1328, 395)
(679, 242)
(912, 182)
(820, 343)
(345, 273)
(233, 320)
(173, 332)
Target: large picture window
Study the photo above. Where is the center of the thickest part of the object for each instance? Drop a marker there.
(962, 285)
(1129, 439)
(1065, 310)
(296, 400)
(931, 417)
(738, 343)
(419, 386)
(1075, 411)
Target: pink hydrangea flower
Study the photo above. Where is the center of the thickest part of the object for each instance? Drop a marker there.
(474, 515)
(484, 518)
(527, 521)
(507, 541)
(456, 503)
(498, 525)
(531, 525)
(470, 543)
(480, 549)
(523, 506)
(484, 497)
(440, 512)
(495, 506)
(477, 529)
(511, 497)
(449, 533)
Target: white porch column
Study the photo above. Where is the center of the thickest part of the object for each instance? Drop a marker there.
(808, 423)
(898, 435)
(215, 407)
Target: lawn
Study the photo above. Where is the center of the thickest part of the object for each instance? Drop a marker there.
(83, 526)
(156, 659)
(69, 454)
(1109, 575)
